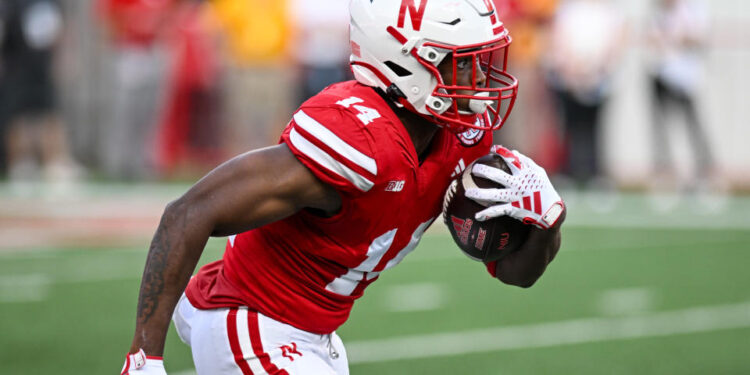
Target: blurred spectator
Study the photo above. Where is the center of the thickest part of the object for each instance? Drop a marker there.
(585, 44)
(677, 33)
(533, 126)
(258, 95)
(135, 28)
(189, 131)
(529, 20)
(319, 44)
(4, 15)
(33, 133)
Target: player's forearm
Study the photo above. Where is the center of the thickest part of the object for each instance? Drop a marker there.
(524, 267)
(172, 257)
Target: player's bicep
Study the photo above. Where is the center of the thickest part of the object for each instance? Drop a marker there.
(257, 188)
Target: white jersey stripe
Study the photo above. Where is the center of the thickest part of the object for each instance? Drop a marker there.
(327, 161)
(243, 333)
(326, 136)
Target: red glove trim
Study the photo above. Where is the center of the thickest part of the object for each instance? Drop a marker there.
(492, 268)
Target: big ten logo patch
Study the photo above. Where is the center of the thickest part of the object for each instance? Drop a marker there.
(395, 186)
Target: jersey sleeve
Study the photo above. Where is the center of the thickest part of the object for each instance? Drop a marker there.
(337, 149)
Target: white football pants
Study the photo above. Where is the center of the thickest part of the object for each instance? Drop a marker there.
(239, 341)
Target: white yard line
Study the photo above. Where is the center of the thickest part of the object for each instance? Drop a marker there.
(414, 297)
(425, 254)
(126, 269)
(542, 335)
(35, 287)
(650, 222)
(24, 288)
(580, 331)
(686, 221)
(629, 301)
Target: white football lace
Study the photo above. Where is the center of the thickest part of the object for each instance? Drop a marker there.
(449, 196)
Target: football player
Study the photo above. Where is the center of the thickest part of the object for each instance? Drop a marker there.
(357, 177)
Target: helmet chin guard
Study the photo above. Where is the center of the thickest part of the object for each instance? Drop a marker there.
(403, 58)
(495, 94)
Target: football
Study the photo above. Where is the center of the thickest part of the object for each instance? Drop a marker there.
(482, 241)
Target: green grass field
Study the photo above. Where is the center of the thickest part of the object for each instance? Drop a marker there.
(618, 300)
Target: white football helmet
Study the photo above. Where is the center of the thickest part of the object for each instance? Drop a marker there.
(397, 46)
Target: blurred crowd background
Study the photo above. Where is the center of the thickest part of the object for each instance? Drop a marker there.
(615, 94)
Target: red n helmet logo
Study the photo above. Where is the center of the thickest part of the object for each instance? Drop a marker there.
(414, 13)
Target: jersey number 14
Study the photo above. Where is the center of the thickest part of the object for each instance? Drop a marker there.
(348, 282)
(366, 114)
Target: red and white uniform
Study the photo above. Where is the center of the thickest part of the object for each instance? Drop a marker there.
(305, 270)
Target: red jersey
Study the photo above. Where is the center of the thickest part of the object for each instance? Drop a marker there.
(306, 270)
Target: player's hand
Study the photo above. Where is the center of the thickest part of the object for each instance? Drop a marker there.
(528, 194)
(139, 363)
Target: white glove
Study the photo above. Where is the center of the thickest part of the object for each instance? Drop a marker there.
(528, 194)
(139, 363)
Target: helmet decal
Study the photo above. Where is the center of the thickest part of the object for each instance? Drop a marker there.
(415, 14)
(355, 49)
(491, 9)
(447, 62)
